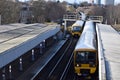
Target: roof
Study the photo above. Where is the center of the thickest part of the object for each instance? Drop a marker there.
(78, 23)
(111, 50)
(89, 26)
(16, 41)
(86, 41)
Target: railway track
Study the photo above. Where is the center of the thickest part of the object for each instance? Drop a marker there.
(59, 64)
(72, 76)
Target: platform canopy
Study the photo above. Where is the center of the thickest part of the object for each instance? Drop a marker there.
(17, 39)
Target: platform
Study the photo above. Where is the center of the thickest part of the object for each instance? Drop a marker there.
(41, 62)
(110, 42)
(17, 39)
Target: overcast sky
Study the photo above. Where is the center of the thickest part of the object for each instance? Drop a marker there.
(78, 1)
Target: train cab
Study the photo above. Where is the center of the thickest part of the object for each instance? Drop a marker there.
(85, 53)
(76, 28)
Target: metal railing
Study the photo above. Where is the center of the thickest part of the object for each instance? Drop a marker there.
(78, 17)
(72, 16)
(96, 18)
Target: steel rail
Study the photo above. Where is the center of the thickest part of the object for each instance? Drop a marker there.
(67, 68)
(59, 59)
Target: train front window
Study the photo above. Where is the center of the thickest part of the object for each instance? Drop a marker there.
(85, 57)
(76, 28)
(80, 57)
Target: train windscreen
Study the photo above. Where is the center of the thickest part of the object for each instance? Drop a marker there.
(76, 29)
(85, 58)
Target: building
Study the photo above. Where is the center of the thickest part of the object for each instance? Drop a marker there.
(92, 1)
(14, 0)
(33, 0)
(98, 2)
(25, 13)
(109, 2)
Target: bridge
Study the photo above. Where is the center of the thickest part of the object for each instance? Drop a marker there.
(76, 16)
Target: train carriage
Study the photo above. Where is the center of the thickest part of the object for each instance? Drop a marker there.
(85, 53)
(76, 28)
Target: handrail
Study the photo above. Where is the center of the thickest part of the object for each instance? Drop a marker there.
(102, 69)
(78, 17)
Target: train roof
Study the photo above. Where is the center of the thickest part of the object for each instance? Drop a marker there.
(86, 42)
(89, 26)
(78, 23)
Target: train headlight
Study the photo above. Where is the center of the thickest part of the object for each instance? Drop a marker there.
(77, 65)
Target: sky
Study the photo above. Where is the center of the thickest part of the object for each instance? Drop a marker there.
(78, 1)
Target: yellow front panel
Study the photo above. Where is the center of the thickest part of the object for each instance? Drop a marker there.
(92, 69)
(77, 69)
(84, 65)
(76, 33)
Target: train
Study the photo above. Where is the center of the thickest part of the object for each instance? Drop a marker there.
(76, 28)
(85, 52)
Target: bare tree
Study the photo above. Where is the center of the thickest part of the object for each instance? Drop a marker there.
(47, 11)
(39, 10)
(54, 11)
(110, 14)
(9, 11)
(94, 10)
(117, 14)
